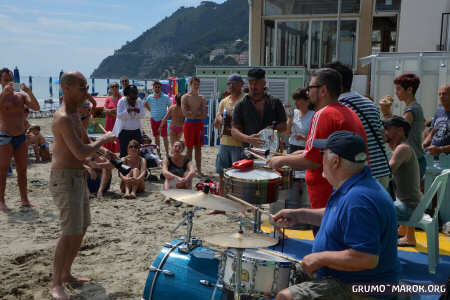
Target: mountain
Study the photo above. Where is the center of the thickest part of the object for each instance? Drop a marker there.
(176, 44)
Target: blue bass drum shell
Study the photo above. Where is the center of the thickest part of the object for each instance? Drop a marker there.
(185, 276)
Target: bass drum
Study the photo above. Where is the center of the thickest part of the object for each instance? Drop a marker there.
(178, 275)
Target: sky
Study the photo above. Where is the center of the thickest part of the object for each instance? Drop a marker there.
(43, 37)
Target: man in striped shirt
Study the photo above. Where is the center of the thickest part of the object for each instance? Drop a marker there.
(369, 115)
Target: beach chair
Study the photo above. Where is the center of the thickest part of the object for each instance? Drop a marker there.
(429, 224)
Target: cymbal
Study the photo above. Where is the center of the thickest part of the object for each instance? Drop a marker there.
(199, 198)
(241, 240)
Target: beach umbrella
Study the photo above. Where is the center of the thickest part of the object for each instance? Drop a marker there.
(145, 87)
(30, 82)
(107, 86)
(50, 86)
(93, 86)
(60, 90)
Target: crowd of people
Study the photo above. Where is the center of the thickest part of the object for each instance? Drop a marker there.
(337, 135)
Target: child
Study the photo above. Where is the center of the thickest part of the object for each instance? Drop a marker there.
(40, 145)
(177, 120)
(134, 182)
(148, 152)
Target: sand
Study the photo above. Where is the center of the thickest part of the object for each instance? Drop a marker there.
(120, 245)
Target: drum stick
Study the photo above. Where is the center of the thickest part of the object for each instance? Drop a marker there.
(280, 255)
(232, 197)
(257, 155)
(101, 127)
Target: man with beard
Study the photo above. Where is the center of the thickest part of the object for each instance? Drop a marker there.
(257, 111)
(330, 116)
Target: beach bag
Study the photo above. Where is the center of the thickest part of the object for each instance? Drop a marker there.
(213, 186)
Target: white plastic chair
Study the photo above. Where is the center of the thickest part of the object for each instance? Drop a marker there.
(430, 224)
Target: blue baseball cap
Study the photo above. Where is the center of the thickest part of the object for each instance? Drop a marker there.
(235, 78)
(346, 144)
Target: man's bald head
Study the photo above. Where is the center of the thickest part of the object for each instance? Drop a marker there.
(71, 78)
(444, 96)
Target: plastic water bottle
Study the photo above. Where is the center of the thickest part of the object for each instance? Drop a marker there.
(446, 228)
(16, 80)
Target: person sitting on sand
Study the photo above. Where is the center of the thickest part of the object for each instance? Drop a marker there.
(177, 169)
(100, 172)
(40, 145)
(134, 182)
(147, 151)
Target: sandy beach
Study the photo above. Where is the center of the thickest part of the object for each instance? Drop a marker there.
(124, 238)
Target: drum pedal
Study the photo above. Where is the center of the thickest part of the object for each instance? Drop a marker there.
(165, 272)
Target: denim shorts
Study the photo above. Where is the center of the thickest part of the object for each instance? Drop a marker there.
(226, 157)
(402, 210)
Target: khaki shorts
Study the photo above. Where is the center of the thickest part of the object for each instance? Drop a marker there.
(69, 190)
(323, 288)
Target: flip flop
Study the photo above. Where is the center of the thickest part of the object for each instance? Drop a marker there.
(37, 182)
(405, 244)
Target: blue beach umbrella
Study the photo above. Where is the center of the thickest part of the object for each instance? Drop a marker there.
(145, 87)
(93, 86)
(50, 86)
(107, 86)
(60, 90)
(30, 82)
(16, 79)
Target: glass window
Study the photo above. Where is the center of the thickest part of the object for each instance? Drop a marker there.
(323, 42)
(292, 43)
(347, 45)
(309, 7)
(269, 31)
(387, 5)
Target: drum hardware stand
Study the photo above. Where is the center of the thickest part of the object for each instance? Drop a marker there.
(190, 242)
(237, 273)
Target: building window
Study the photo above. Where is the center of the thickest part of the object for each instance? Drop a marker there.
(309, 7)
(292, 43)
(269, 30)
(309, 43)
(387, 5)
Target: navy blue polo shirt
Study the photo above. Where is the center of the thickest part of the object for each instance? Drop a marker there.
(360, 215)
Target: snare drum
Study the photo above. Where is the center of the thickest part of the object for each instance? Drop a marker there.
(262, 273)
(257, 186)
(178, 275)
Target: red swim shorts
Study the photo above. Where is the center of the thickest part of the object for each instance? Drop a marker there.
(193, 133)
(155, 128)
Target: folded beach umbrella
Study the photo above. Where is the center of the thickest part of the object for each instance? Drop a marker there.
(50, 87)
(30, 82)
(59, 81)
(107, 86)
(93, 86)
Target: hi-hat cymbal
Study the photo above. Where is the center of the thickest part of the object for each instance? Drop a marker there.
(199, 198)
(241, 240)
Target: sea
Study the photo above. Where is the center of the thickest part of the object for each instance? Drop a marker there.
(44, 91)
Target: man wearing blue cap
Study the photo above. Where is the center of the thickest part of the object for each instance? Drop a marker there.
(357, 239)
(230, 148)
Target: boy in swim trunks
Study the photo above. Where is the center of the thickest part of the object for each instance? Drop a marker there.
(175, 113)
(40, 145)
(12, 134)
(195, 110)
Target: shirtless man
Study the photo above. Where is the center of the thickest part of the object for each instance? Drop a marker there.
(67, 183)
(12, 134)
(175, 113)
(194, 109)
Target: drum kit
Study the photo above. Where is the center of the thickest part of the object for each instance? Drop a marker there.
(184, 269)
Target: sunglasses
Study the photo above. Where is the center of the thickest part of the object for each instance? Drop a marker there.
(313, 87)
(84, 88)
(114, 86)
(124, 81)
(133, 147)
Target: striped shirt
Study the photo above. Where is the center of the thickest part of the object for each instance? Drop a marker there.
(378, 163)
(158, 106)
